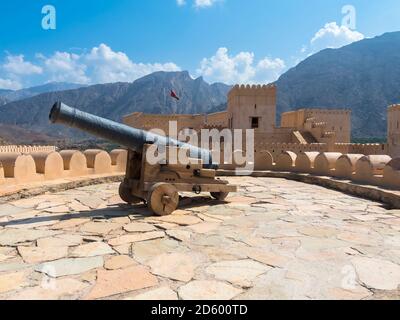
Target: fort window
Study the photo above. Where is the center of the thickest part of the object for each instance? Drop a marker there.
(254, 123)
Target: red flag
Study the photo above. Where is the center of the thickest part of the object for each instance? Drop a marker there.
(174, 95)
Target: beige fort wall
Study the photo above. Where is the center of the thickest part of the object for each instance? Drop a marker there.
(358, 148)
(377, 170)
(335, 121)
(246, 102)
(26, 149)
(161, 122)
(394, 130)
(39, 164)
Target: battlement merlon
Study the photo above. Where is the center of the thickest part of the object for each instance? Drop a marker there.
(325, 111)
(252, 90)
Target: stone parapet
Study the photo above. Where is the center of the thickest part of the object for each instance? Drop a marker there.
(43, 164)
(26, 149)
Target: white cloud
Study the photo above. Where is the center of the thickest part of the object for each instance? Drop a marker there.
(16, 65)
(204, 3)
(10, 84)
(333, 36)
(198, 3)
(240, 68)
(110, 66)
(100, 65)
(64, 66)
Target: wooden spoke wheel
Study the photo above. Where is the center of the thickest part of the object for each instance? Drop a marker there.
(163, 199)
(221, 196)
(126, 195)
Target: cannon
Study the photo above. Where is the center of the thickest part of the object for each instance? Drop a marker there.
(156, 183)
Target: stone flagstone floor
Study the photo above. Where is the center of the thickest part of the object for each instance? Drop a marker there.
(274, 239)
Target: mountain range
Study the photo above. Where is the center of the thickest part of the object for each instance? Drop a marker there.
(363, 76)
(150, 94)
(15, 95)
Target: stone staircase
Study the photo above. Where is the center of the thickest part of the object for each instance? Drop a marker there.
(317, 129)
(304, 137)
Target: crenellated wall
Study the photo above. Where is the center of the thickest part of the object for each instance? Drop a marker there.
(277, 148)
(26, 149)
(367, 149)
(377, 170)
(25, 164)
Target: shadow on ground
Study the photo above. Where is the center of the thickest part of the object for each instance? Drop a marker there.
(113, 211)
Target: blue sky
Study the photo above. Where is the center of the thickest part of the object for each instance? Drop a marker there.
(232, 41)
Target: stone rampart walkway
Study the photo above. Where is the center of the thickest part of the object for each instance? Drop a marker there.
(275, 239)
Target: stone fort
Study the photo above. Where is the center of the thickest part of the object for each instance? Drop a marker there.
(303, 130)
(308, 141)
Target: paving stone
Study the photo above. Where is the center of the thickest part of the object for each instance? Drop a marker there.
(30, 223)
(144, 251)
(166, 226)
(206, 218)
(318, 231)
(159, 294)
(119, 262)
(208, 290)
(205, 227)
(304, 235)
(378, 273)
(93, 202)
(15, 264)
(10, 210)
(60, 209)
(268, 258)
(66, 267)
(131, 238)
(66, 240)
(47, 205)
(10, 237)
(70, 223)
(12, 281)
(358, 293)
(182, 220)
(91, 250)
(363, 239)
(92, 239)
(123, 249)
(110, 283)
(35, 255)
(139, 227)
(4, 257)
(239, 272)
(121, 220)
(76, 206)
(54, 289)
(100, 228)
(180, 235)
(175, 266)
(274, 285)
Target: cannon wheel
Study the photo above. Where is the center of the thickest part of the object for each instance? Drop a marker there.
(163, 199)
(221, 196)
(126, 194)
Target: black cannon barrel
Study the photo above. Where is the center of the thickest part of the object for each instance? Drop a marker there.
(131, 138)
